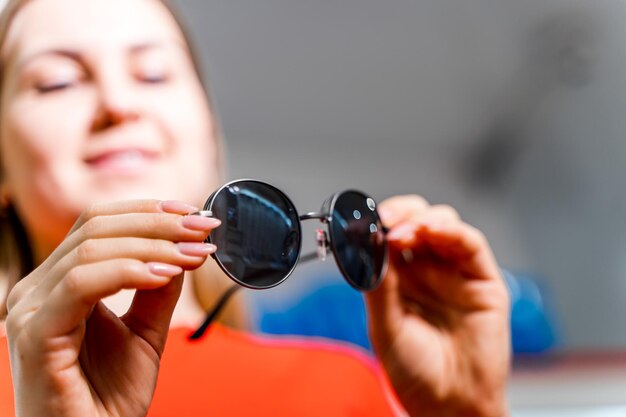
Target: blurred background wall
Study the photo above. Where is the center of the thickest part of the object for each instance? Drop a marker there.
(512, 111)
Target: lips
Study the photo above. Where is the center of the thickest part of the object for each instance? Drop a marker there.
(126, 162)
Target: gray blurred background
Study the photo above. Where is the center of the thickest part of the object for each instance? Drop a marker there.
(512, 111)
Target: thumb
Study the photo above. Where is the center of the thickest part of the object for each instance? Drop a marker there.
(384, 309)
(150, 313)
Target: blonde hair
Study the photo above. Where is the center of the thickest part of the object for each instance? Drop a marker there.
(16, 257)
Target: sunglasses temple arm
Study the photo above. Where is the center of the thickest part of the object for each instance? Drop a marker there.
(221, 303)
(215, 312)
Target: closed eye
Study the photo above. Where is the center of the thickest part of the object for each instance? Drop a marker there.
(49, 88)
(154, 78)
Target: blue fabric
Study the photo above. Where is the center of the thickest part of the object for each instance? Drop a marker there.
(336, 311)
(533, 321)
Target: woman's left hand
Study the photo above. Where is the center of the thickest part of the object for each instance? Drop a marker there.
(440, 320)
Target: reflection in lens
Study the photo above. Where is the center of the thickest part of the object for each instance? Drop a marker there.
(358, 241)
(259, 240)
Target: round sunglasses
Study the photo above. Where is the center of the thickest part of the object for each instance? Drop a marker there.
(260, 239)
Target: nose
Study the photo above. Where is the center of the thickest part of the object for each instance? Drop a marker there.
(116, 103)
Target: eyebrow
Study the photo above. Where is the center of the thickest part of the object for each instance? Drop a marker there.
(67, 53)
(77, 56)
(149, 45)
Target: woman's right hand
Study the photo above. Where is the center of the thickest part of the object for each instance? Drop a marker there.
(70, 355)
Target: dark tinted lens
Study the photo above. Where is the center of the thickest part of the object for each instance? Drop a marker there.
(358, 239)
(259, 240)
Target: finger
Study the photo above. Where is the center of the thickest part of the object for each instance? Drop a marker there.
(132, 206)
(384, 305)
(455, 242)
(409, 284)
(102, 209)
(387, 310)
(439, 212)
(73, 298)
(435, 287)
(149, 225)
(443, 289)
(188, 255)
(164, 226)
(151, 311)
(398, 208)
(17, 293)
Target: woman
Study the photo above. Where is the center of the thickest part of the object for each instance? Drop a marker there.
(103, 121)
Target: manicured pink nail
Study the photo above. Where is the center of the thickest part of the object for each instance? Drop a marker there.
(196, 248)
(386, 215)
(177, 207)
(402, 232)
(202, 223)
(164, 270)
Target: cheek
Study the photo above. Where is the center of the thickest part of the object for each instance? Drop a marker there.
(39, 147)
(30, 147)
(191, 131)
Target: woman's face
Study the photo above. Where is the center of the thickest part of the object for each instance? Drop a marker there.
(100, 101)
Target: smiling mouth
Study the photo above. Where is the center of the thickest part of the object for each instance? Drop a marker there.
(126, 162)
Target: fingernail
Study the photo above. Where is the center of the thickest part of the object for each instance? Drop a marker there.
(200, 223)
(164, 270)
(386, 215)
(196, 248)
(402, 232)
(177, 207)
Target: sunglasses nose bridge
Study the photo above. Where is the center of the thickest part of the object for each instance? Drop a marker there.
(323, 217)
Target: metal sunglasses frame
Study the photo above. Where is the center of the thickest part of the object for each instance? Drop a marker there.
(322, 238)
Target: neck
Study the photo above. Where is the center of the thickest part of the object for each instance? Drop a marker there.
(188, 313)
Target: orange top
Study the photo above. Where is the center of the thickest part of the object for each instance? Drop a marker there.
(238, 374)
